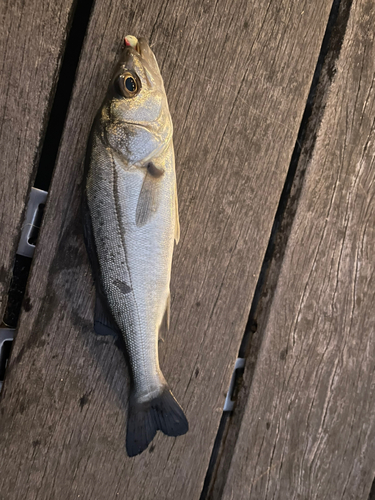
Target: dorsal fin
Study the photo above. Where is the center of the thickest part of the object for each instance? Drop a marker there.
(164, 325)
(177, 219)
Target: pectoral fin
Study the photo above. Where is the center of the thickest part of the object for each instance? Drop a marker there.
(149, 197)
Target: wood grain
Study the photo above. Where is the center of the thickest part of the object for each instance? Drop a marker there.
(32, 38)
(237, 76)
(263, 298)
(309, 425)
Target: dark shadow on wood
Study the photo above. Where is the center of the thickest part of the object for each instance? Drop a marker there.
(325, 69)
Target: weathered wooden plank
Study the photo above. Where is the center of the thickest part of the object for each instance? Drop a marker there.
(31, 44)
(262, 303)
(309, 425)
(237, 77)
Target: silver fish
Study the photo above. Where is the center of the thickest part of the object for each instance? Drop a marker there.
(130, 216)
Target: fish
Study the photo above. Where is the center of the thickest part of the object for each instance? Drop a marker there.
(130, 227)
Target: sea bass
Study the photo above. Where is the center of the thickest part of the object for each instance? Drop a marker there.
(130, 215)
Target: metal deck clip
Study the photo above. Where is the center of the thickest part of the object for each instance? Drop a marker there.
(30, 228)
(6, 339)
(229, 404)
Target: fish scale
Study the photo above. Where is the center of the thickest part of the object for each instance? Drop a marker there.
(130, 225)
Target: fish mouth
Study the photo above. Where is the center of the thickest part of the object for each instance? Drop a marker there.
(132, 42)
(134, 49)
(139, 47)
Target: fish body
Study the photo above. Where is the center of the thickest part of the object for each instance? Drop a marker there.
(130, 226)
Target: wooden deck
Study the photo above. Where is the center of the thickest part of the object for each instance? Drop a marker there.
(237, 76)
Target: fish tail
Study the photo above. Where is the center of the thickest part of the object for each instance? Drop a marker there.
(144, 419)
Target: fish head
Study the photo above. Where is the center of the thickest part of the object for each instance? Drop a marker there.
(136, 91)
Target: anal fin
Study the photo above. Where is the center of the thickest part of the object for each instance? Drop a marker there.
(104, 324)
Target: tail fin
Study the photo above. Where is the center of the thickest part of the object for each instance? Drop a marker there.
(144, 419)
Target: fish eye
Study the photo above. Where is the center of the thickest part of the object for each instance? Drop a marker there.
(130, 84)
(127, 85)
